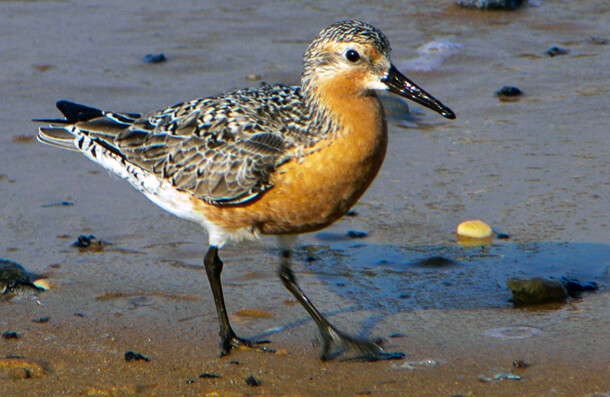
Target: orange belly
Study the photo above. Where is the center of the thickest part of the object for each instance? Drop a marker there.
(311, 192)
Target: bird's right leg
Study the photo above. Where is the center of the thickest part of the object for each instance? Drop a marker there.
(228, 339)
(366, 350)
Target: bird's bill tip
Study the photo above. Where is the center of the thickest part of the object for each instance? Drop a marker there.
(401, 85)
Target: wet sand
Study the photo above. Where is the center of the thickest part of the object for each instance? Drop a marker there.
(535, 168)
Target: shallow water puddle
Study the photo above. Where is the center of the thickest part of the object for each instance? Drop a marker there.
(391, 279)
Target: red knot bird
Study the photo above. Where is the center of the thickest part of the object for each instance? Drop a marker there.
(276, 160)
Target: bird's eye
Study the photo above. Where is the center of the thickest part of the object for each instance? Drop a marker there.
(352, 56)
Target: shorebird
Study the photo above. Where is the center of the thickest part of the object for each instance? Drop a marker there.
(276, 160)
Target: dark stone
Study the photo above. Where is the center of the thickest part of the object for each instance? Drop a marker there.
(251, 381)
(154, 58)
(89, 243)
(10, 335)
(508, 91)
(131, 356)
(507, 5)
(356, 234)
(520, 364)
(554, 51)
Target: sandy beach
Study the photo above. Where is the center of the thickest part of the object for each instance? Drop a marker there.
(535, 168)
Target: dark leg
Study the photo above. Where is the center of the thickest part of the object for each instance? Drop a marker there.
(228, 339)
(365, 350)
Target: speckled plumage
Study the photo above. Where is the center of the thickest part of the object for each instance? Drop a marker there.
(273, 160)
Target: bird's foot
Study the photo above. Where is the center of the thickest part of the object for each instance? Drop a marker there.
(232, 341)
(363, 349)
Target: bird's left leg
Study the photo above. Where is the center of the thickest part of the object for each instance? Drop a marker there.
(228, 339)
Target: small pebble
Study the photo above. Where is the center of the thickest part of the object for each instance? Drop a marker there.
(10, 335)
(554, 51)
(131, 356)
(251, 381)
(89, 242)
(507, 5)
(154, 58)
(41, 320)
(356, 234)
(508, 91)
(520, 364)
(474, 229)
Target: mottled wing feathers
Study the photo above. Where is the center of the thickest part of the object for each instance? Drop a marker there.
(221, 150)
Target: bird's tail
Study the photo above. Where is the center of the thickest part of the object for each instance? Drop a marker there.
(79, 118)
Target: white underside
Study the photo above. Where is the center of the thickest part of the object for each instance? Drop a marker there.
(163, 194)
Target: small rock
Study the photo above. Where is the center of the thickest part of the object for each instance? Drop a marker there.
(131, 356)
(89, 243)
(507, 5)
(154, 58)
(251, 381)
(41, 320)
(253, 77)
(520, 364)
(356, 234)
(10, 335)
(554, 51)
(536, 290)
(508, 91)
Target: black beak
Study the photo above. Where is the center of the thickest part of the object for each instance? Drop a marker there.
(399, 84)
